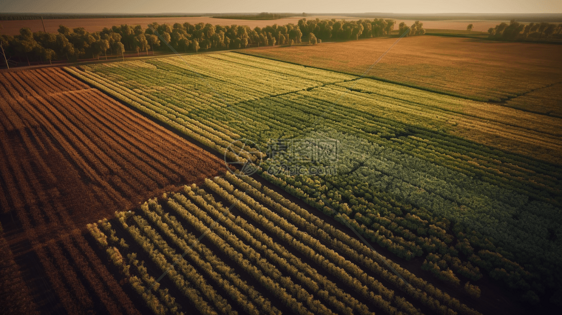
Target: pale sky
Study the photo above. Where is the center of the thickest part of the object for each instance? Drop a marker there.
(292, 6)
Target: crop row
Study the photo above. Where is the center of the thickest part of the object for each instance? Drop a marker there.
(305, 274)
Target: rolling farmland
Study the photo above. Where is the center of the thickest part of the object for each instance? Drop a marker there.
(432, 196)
(469, 188)
(65, 163)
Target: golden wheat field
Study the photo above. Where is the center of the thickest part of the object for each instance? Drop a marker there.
(477, 69)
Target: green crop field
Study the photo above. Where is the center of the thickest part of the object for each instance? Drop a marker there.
(466, 188)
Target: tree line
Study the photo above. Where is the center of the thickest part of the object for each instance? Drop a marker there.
(260, 16)
(415, 29)
(532, 31)
(73, 44)
(63, 16)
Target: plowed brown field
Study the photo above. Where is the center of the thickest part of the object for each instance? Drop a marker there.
(70, 155)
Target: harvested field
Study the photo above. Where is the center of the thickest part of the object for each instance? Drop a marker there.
(477, 69)
(57, 138)
(70, 155)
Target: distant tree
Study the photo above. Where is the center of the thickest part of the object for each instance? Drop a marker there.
(281, 39)
(26, 34)
(195, 45)
(379, 27)
(103, 46)
(417, 29)
(141, 44)
(263, 40)
(25, 43)
(64, 30)
(137, 48)
(165, 36)
(81, 40)
(271, 39)
(164, 28)
(138, 30)
(527, 29)
(48, 54)
(64, 47)
(542, 27)
(511, 31)
(120, 49)
(96, 49)
(298, 36)
(209, 30)
(404, 30)
(47, 40)
(189, 28)
(357, 31)
(153, 41)
(499, 29)
(469, 27)
(183, 44)
(337, 30)
(312, 39)
(389, 26)
(535, 28)
(549, 30)
(205, 44)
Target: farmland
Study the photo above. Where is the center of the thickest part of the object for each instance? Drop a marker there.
(65, 163)
(468, 188)
(51, 125)
(480, 70)
(293, 261)
(429, 186)
(499, 126)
